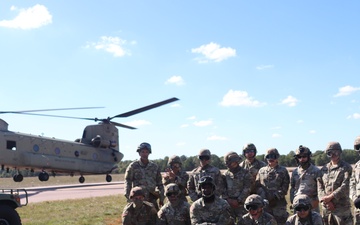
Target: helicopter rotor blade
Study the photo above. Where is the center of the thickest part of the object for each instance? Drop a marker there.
(48, 115)
(123, 125)
(45, 110)
(142, 109)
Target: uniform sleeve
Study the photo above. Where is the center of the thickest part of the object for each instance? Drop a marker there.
(159, 184)
(219, 183)
(320, 184)
(225, 216)
(128, 180)
(285, 183)
(248, 183)
(292, 187)
(191, 188)
(126, 216)
(353, 195)
(342, 191)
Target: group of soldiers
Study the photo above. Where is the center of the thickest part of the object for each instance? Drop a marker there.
(249, 192)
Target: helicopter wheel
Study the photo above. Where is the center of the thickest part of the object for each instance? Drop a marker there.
(43, 176)
(108, 178)
(18, 177)
(81, 179)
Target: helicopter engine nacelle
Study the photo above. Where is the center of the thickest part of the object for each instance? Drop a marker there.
(99, 142)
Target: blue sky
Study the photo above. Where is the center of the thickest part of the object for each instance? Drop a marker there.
(275, 73)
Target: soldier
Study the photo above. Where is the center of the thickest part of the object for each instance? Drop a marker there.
(174, 174)
(303, 214)
(204, 169)
(355, 184)
(138, 211)
(237, 184)
(176, 210)
(210, 209)
(272, 183)
(146, 174)
(333, 188)
(256, 215)
(304, 177)
(251, 163)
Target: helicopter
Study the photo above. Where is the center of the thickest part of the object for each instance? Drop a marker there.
(97, 152)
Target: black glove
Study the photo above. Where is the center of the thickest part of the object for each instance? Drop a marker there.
(357, 202)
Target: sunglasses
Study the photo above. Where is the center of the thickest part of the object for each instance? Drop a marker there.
(332, 153)
(271, 156)
(204, 157)
(302, 208)
(301, 156)
(357, 147)
(250, 151)
(251, 207)
(171, 194)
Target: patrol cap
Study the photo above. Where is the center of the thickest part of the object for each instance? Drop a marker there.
(136, 191)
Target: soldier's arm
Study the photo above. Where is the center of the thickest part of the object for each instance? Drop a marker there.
(248, 183)
(219, 183)
(225, 215)
(160, 185)
(341, 191)
(292, 186)
(182, 180)
(353, 195)
(128, 181)
(285, 183)
(191, 188)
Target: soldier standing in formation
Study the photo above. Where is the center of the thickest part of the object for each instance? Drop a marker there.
(145, 174)
(304, 177)
(251, 163)
(237, 182)
(303, 214)
(256, 215)
(272, 183)
(174, 174)
(333, 188)
(176, 210)
(138, 211)
(210, 209)
(355, 184)
(204, 169)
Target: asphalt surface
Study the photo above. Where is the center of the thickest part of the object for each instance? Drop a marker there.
(53, 193)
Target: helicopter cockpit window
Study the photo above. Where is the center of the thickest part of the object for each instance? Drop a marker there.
(11, 145)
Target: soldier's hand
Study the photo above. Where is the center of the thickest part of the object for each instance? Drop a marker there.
(330, 206)
(327, 198)
(233, 203)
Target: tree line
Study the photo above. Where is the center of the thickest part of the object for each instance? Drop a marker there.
(319, 158)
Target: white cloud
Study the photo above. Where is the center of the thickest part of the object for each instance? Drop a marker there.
(290, 101)
(113, 45)
(177, 80)
(203, 123)
(312, 131)
(30, 18)
(191, 118)
(239, 98)
(354, 116)
(347, 90)
(137, 123)
(216, 138)
(276, 135)
(213, 52)
(264, 67)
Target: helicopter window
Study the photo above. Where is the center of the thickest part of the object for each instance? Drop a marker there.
(77, 153)
(11, 145)
(84, 134)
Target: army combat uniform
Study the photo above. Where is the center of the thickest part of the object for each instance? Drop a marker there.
(355, 184)
(144, 215)
(146, 176)
(315, 217)
(253, 169)
(174, 215)
(264, 219)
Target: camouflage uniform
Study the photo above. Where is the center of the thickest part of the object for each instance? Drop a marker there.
(252, 167)
(304, 178)
(272, 183)
(144, 214)
(264, 219)
(174, 215)
(355, 184)
(148, 177)
(335, 180)
(312, 218)
(197, 173)
(237, 185)
(181, 178)
(217, 212)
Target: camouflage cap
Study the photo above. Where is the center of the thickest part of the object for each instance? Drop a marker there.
(357, 143)
(172, 188)
(254, 200)
(231, 157)
(302, 150)
(205, 152)
(136, 191)
(301, 200)
(333, 146)
(174, 159)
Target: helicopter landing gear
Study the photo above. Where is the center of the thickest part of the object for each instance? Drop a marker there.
(108, 178)
(81, 179)
(18, 177)
(43, 176)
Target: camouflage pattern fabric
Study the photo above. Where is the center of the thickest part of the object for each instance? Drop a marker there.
(197, 173)
(273, 184)
(217, 212)
(174, 215)
(335, 180)
(237, 186)
(355, 190)
(315, 220)
(253, 169)
(144, 215)
(264, 219)
(146, 176)
(304, 181)
(181, 180)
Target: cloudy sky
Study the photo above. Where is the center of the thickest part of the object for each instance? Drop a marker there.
(278, 74)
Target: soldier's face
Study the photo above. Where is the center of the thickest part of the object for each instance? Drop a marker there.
(232, 165)
(250, 154)
(138, 200)
(176, 167)
(204, 160)
(302, 158)
(302, 211)
(206, 189)
(144, 154)
(172, 196)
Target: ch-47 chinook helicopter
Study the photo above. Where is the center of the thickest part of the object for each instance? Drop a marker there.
(97, 152)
